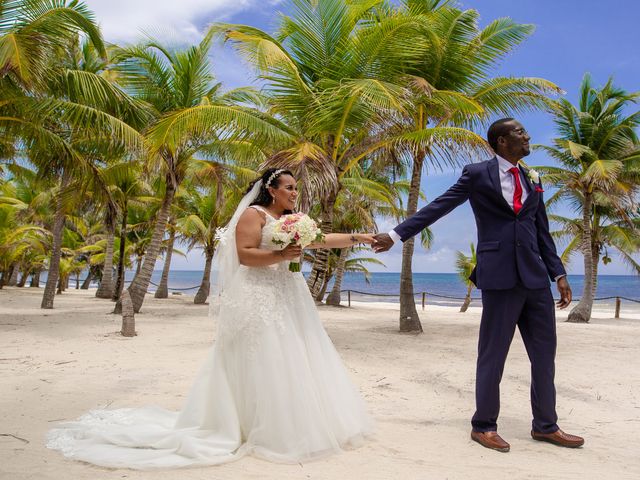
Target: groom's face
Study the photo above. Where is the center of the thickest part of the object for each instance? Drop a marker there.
(515, 143)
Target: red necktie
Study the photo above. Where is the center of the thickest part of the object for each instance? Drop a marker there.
(517, 194)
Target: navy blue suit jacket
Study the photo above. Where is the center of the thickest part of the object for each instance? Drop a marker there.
(511, 247)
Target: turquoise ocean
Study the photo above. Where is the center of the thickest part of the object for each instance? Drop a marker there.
(385, 286)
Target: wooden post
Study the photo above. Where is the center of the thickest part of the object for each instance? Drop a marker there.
(424, 299)
(349, 297)
(617, 307)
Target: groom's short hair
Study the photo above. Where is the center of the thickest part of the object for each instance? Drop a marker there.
(496, 130)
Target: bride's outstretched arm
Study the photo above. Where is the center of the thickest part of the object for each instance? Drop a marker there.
(343, 240)
(248, 236)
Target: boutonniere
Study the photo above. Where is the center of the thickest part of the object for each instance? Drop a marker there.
(533, 175)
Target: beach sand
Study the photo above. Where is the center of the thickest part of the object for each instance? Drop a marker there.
(57, 364)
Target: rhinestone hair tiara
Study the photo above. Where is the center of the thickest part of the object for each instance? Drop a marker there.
(273, 176)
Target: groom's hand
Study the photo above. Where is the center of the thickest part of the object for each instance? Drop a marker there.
(565, 292)
(382, 242)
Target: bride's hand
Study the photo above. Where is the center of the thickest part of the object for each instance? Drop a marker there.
(291, 252)
(367, 238)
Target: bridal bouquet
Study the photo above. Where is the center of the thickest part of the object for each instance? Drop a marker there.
(297, 229)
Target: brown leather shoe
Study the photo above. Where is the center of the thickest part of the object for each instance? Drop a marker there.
(559, 438)
(490, 440)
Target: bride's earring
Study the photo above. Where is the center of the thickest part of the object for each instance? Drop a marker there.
(273, 200)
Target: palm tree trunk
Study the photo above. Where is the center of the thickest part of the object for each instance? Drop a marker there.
(56, 251)
(87, 281)
(323, 290)
(334, 296)
(23, 278)
(594, 273)
(594, 279)
(105, 290)
(140, 283)
(318, 274)
(35, 280)
(409, 320)
(581, 313)
(163, 288)
(3, 273)
(13, 277)
(123, 239)
(467, 299)
(205, 286)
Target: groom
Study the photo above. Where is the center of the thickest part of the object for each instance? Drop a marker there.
(516, 257)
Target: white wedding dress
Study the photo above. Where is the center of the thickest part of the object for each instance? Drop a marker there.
(272, 386)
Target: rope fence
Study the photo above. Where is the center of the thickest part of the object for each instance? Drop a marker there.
(168, 288)
(171, 288)
(438, 295)
(424, 295)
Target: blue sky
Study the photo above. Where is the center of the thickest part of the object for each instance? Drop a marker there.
(571, 38)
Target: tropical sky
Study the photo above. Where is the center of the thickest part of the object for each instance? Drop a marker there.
(572, 37)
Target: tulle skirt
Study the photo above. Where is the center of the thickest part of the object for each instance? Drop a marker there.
(272, 386)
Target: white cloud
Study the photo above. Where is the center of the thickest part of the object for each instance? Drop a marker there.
(125, 20)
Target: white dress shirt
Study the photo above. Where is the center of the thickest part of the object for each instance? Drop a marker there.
(508, 182)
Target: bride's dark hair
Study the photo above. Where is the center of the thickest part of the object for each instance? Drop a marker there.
(270, 178)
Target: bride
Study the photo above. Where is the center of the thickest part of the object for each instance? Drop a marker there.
(272, 386)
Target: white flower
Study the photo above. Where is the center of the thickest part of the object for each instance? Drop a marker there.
(534, 176)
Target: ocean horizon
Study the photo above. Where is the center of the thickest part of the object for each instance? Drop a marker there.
(440, 288)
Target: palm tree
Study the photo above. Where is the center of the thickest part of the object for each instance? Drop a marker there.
(45, 99)
(192, 115)
(162, 290)
(60, 127)
(608, 231)
(19, 243)
(125, 186)
(80, 233)
(106, 288)
(28, 197)
(388, 82)
(209, 203)
(451, 85)
(32, 32)
(464, 266)
(85, 58)
(328, 73)
(140, 227)
(366, 193)
(599, 156)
